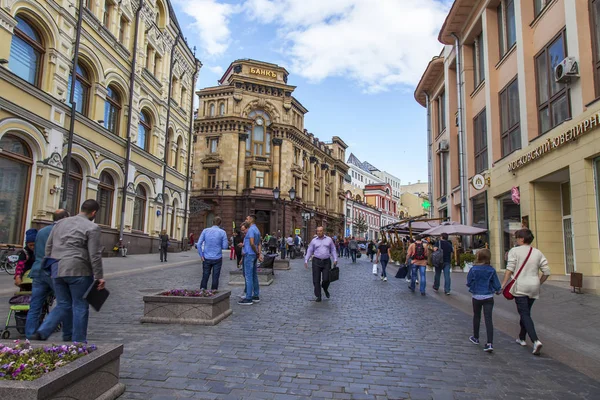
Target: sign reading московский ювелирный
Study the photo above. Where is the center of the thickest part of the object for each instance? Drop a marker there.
(551, 144)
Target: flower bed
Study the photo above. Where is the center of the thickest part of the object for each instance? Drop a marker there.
(182, 306)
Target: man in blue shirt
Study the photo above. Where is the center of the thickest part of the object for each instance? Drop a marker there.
(212, 242)
(251, 253)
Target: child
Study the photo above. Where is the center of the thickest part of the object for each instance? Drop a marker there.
(26, 257)
(483, 282)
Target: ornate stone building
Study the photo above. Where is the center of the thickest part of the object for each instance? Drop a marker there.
(250, 139)
(134, 146)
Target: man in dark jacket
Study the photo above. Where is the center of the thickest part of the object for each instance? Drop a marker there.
(447, 250)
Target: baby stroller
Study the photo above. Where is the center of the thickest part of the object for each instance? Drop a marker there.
(19, 306)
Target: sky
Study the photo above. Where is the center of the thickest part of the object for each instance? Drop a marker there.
(355, 63)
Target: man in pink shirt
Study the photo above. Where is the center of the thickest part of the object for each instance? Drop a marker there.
(322, 249)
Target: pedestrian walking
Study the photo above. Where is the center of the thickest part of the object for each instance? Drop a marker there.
(232, 247)
(211, 244)
(163, 245)
(252, 252)
(272, 243)
(353, 247)
(238, 242)
(76, 249)
(483, 283)
(322, 249)
(417, 251)
(42, 286)
(526, 262)
(191, 239)
(371, 250)
(447, 250)
(346, 249)
(26, 256)
(384, 252)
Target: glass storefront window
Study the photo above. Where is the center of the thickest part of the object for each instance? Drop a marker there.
(510, 215)
(480, 219)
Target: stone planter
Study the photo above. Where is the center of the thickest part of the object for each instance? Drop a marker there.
(265, 277)
(186, 310)
(94, 376)
(281, 265)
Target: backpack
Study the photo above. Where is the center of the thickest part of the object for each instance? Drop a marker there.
(419, 252)
(437, 258)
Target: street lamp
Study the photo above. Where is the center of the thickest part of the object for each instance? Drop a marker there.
(222, 185)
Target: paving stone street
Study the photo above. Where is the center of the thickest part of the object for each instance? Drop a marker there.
(371, 340)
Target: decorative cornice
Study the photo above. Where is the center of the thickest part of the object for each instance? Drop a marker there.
(7, 22)
(227, 124)
(55, 160)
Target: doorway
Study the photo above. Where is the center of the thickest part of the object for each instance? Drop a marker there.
(263, 222)
(567, 223)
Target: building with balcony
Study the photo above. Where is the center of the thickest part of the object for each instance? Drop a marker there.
(250, 139)
(512, 126)
(128, 152)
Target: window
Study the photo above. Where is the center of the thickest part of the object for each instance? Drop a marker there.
(183, 96)
(212, 110)
(222, 110)
(259, 136)
(478, 63)
(157, 63)
(441, 106)
(149, 57)
(144, 130)
(90, 5)
(510, 118)
(260, 179)
(507, 33)
(480, 130)
(106, 14)
(595, 15)
(539, 6)
(122, 30)
(74, 188)
(112, 110)
(106, 190)
(211, 178)
(553, 97)
(212, 145)
(26, 52)
(15, 172)
(178, 161)
(82, 89)
(139, 208)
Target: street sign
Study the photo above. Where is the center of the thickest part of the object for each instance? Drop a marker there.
(347, 231)
(297, 231)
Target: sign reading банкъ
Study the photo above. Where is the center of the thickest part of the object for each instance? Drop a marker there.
(264, 72)
(551, 144)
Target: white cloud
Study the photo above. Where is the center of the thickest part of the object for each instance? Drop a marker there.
(216, 69)
(378, 43)
(211, 21)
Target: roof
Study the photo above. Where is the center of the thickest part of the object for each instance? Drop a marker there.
(365, 166)
(432, 73)
(459, 14)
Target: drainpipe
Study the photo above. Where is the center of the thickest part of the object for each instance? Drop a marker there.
(189, 153)
(73, 106)
(429, 155)
(166, 156)
(461, 134)
(129, 116)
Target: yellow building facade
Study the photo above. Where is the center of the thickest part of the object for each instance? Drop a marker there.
(513, 127)
(124, 147)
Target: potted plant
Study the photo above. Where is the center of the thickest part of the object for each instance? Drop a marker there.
(466, 261)
(397, 254)
(184, 306)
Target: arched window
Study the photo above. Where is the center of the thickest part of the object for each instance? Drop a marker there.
(15, 172)
(112, 110)
(259, 138)
(212, 110)
(26, 52)
(160, 15)
(106, 191)
(139, 209)
(222, 109)
(174, 220)
(144, 130)
(178, 157)
(74, 189)
(82, 89)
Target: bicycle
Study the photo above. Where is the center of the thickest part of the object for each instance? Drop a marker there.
(8, 263)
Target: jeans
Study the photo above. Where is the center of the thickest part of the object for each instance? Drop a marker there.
(447, 280)
(69, 292)
(251, 276)
(42, 288)
(163, 253)
(488, 306)
(413, 278)
(384, 262)
(209, 266)
(353, 255)
(320, 267)
(524, 305)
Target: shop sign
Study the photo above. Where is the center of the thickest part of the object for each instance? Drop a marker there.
(263, 72)
(297, 231)
(552, 144)
(478, 182)
(515, 195)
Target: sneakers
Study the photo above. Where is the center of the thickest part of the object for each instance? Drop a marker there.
(407, 280)
(474, 340)
(381, 277)
(537, 348)
(255, 299)
(521, 342)
(245, 302)
(447, 293)
(488, 348)
(385, 278)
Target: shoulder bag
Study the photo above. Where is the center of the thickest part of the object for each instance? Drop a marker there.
(506, 292)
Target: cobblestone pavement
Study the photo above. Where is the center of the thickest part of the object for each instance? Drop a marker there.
(371, 340)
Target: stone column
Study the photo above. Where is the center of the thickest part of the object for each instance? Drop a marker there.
(311, 185)
(334, 193)
(276, 162)
(323, 186)
(241, 173)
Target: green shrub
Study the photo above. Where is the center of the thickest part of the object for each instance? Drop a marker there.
(466, 258)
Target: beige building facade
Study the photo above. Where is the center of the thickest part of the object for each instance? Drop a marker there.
(513, 126)
(128, 152)
(250, 139)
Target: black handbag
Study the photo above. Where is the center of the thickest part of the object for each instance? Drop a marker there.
(334, 274)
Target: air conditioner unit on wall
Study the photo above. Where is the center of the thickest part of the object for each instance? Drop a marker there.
(566, 70)
(443, 146)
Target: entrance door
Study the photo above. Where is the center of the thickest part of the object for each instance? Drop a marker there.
(263, 222)
(568, 237)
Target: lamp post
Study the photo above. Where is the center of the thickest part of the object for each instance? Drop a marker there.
(276, 196)
(221, 185)
(306, 216)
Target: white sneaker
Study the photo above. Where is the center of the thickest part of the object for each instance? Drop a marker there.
(381, 277)
(385, 279)
(537, 347)
(407, 280)
(521, 342)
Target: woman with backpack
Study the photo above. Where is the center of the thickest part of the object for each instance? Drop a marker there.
(417, 251)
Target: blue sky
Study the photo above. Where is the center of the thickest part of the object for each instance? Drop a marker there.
(355, 64)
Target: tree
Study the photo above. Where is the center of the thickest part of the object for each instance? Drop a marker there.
(361, 225)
